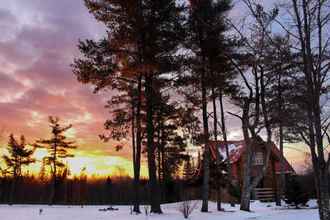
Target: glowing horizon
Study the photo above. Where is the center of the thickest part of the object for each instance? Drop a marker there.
(89, 163)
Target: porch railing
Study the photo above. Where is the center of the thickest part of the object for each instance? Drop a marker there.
(265, 194)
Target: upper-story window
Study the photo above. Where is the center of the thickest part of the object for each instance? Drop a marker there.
(258, 158)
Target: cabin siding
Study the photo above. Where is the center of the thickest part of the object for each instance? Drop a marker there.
(270, 182)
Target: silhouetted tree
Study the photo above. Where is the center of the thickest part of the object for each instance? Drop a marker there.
(109, 190)
(142, 39)
(252, 99)
(125, 104)
(206, 41)
(170, 136)
(57, 147)
(280, 95)
(310, 27)
(19, 155)
(218, 178)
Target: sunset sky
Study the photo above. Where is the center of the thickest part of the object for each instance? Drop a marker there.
(37, 45)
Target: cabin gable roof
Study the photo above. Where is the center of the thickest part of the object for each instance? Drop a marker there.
(236, 149)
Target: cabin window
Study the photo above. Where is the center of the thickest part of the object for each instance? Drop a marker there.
(259, 158)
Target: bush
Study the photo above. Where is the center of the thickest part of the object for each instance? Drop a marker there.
(235, 191)
(187, 207)
(294, 195)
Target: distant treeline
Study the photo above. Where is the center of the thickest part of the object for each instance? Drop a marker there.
(83, 191)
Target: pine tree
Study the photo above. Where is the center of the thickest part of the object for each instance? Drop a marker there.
(171, 144)
(206, 40)
(218, 178)
(280, 96)
(57, 147)
(143, 37)
(109, 191)
(19, 156)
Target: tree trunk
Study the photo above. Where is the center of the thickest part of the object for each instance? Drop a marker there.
(281, 188)
(219, 199)
(133, 134)
(137, 156)
(281, 185)
(159, 161)
(163, 161)
(248, 186)
(324, 205)
(13, 189)
(215, 116)
(54, 181)
(215, 133)
(153, 183)
(159, 165)
(248, 155)
(245, 200)
(245, 192)
(224, 135)
(206, 157)
(324, 209)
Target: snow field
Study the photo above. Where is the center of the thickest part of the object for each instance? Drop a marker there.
(260, 211)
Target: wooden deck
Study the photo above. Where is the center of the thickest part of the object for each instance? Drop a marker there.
(265, 194)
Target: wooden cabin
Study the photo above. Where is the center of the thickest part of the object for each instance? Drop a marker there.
(268, 186)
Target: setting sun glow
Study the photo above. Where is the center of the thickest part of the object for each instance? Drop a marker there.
(92, 165)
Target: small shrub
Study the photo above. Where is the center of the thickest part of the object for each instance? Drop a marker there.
(294, 195)
(146, 210)
(187, 207)
(235, 192)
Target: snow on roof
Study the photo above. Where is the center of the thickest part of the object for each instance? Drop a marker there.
(236, 149)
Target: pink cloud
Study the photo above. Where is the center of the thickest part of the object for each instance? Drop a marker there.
(37, 78)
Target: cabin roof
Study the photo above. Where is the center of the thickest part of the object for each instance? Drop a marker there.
(236, 149)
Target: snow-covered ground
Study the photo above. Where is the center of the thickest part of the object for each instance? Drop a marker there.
(261, 211)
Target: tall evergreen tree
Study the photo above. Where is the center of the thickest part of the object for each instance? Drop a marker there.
(281, 75)
(57, 147)
(143, 37)
(206, 41)
(19, 155)
(171, 123)
(98, 67)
